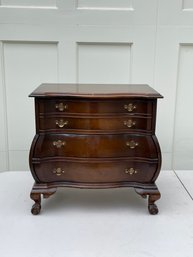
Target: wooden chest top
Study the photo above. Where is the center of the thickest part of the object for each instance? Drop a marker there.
(95, 91)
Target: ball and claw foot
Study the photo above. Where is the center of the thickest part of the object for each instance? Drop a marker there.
(35, 210)
(36, 197)
(37, 191)
(153, 209)
(153, 195)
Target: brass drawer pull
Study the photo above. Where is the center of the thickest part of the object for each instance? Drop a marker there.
(58, 171)
(130, 107)
(132, 144)
(61, 123)
(61, 107)
(129, 123)
(59, 143)
(131, 171)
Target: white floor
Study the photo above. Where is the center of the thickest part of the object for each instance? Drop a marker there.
(97, 223)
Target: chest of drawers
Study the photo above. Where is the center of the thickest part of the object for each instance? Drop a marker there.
(95, 136)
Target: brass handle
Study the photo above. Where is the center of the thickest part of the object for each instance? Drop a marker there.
(129, 123)
(59, 143)
(130, 107)
(61, 123)
(132, 144)
(131, 171)
(61, 107)
(58, 171)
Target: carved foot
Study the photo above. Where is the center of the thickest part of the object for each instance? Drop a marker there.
(35, 195)
(153, 209)
(154, 195)
(37, 206)
(35, 210)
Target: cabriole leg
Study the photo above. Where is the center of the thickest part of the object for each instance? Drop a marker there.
(152, 207)
(45, 190)
(153, 195)
(35, 210)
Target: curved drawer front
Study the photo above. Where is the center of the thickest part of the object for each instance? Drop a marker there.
(53, 171)
(73, 145)
(65, 123)
(96, 107)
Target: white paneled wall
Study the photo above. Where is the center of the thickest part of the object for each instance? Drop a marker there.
(95, 59)
(187, 4)
(183, 148)
(29, 3)
(95, 41)
(25, 64)
(104, 4)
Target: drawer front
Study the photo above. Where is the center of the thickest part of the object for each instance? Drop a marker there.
(95, 107)
(65, 123)
(53, 171)
(96, 146)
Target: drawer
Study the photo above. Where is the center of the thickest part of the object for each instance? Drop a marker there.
(65, 123)
(77, 145)
(61, 105)
(93, 172)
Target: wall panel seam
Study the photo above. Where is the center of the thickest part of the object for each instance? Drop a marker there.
(175, 108)
(4, 97)
(131, 64)
(77, 62)
(155, 44)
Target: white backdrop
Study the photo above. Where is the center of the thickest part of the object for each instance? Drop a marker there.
(107, 41)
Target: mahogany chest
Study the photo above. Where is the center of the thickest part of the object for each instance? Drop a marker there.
(95, 136)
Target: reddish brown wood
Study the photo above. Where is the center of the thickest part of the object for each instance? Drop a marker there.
(94, 139)
(95, 107)
(153, 195)
(95, 171)
(36, 193)
(95, 91)
(37, 205)
(95, 146)
(72, 124)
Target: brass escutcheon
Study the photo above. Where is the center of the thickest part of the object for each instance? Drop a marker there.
(58, 171)
(130, 107)
(61, 107)
(129, 123)
(131, 171)
(59, 143)
(61, 123)
(132, 144)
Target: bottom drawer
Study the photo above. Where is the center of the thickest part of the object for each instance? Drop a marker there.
(92, 172)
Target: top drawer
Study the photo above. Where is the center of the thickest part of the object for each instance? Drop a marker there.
(60, 105)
